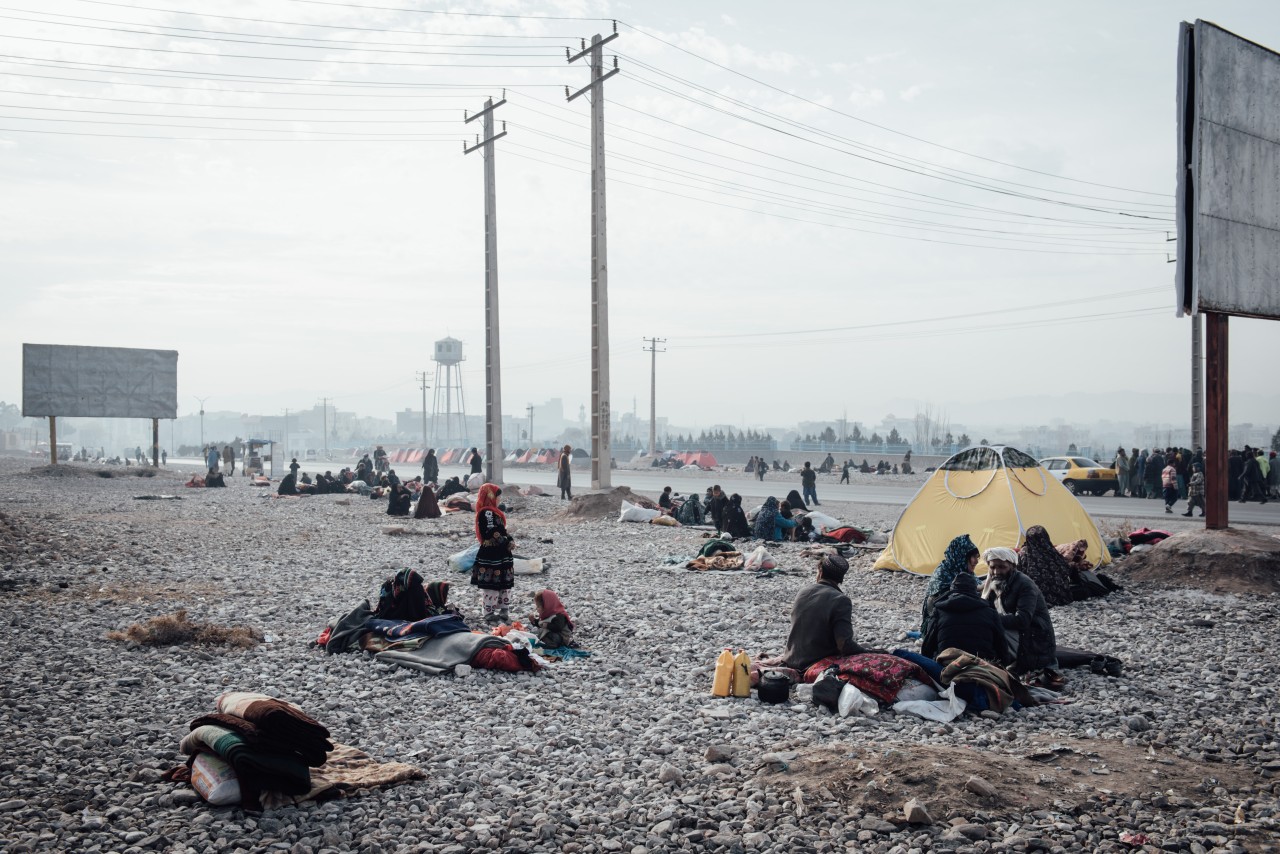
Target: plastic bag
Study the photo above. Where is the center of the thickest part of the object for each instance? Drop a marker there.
(465, 559)
(475, 481)
(634, 513)
(853, 700)
(215, 780)
(822, 522)
(760, 559)
(944, 710)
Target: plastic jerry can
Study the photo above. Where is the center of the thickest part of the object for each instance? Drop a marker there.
(722, 682)
(742, 674)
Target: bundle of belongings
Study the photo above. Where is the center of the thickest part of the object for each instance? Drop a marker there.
(414, 626)
(265, 753)
(941, 689)
(718, 554)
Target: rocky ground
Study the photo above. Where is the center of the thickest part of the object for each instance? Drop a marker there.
(625, 751)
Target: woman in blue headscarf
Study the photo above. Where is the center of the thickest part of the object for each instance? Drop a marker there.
(961, 556)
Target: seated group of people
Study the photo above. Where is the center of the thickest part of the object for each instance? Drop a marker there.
(214, 478)
(1001, 625)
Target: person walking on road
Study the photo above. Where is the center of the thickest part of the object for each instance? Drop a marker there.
(564, 476)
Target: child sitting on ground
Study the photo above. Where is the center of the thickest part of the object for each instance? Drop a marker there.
(551, 624)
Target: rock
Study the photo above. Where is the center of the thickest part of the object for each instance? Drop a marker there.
(669, 773)
(721, 770)
(915, 813)
(972, 831)
(12, 805)
(662, 828)
(980, 787)
(1137, 723)
(877, 825)
(719, 753)
(755, 839)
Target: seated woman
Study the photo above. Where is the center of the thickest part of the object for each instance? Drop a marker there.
(962, 619)
(796, 502)
(288, 485)
(735, 520)
(428, 507)
(551, 623)
(961, 556)
(399, 501)
(196, 481)
(770, 523)
(1044, 565)
(214, 478)
(1025, 619)
(1076, 556)
(451, 486)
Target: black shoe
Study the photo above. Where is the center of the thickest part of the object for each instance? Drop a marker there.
(1098, 665)
(1186, 514)
(1114, 667)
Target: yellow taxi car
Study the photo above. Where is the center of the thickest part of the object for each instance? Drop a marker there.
(1082, 476)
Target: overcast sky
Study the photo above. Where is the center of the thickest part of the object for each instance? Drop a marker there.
(840, 206)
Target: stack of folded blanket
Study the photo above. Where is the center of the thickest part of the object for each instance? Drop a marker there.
(270, 744)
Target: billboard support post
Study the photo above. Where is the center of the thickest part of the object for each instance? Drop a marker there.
(1215, 451)
(155, 443)
(53, 440)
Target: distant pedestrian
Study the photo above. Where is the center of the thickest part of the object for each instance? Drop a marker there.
(164, 458)
(431, 467)
(844, 472)
(229, 458)
(293, 469)
(477, 461)
(809, 484)
(1169, 486)
(1121, 465)
(211, 458)
(1195, 489)
(564, 475)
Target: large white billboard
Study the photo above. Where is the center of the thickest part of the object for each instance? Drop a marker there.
(99, 382)
(1228, 174)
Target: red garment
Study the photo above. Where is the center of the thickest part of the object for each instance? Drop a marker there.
(549, 605)
(493, 658)
(487, 499)
(874, 673)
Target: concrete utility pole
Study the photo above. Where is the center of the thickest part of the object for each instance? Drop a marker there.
(422, 378)
(492, 358)
(324, 424)
(601, 455)
(1197, 382)
(529, 409)
(202, 400)
(653, 390)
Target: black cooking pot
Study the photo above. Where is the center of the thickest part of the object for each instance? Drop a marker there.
(774, 687)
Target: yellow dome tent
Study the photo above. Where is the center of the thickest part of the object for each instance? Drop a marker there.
(993, 494)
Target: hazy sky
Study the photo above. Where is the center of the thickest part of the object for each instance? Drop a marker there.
(888, 205)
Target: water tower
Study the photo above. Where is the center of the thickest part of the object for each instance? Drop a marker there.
(449, 410)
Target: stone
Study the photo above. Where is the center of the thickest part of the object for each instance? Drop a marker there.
(719, 753)
(1137, 723)
(980, 787)
(877, 825)
(915, 813)
(669, 773)
(971, 830)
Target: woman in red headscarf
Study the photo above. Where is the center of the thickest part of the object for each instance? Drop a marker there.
(493, 571)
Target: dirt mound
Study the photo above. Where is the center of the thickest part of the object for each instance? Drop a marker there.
(879, 780)
(603, 505)
(1229, 561)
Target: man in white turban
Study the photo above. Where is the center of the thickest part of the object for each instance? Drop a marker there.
(1025, 618)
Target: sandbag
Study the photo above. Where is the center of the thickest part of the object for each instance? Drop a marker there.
(634, 513)
(523, 566)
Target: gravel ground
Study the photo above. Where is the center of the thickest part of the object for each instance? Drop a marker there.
(625, 751)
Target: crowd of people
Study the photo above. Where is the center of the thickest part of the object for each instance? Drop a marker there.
(1178, 474)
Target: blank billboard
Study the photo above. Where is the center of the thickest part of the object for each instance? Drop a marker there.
(1229, 174)
(99, 382)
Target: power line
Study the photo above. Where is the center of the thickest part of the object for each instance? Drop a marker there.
(845, 140)
(418, 135)
(452, 141)
(254, 39)
(963, 206)
(351, 27)
(226, 118)
(240, 106)
(171, 50)
(900, 167)
(844, 227)
(879, 126)
(449, 12)
(829, 209)
(248, 91)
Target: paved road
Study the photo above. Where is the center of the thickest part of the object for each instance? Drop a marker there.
(652, 482)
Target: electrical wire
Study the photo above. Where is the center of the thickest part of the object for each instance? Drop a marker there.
(209, 138)
(449, 12)
(453, 136)
(231, 118)
(241, 106)
(826, 182)
(840, 227)
(221, 90)
(845, 140)
(869, 123)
